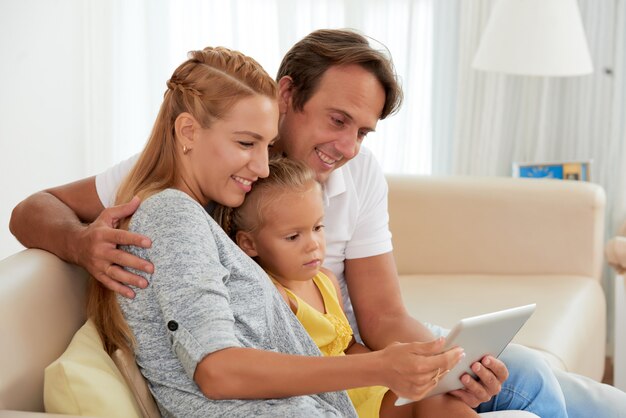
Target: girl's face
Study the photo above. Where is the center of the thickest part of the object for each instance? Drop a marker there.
(290, 244)
(228, 157)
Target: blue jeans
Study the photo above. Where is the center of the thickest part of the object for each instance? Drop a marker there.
(531, 386)
(585, 397)
(535, 387)
(550, 393)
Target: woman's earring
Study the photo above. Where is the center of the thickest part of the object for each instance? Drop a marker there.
(185, 149)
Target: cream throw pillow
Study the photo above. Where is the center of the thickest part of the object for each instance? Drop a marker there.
(84, 381)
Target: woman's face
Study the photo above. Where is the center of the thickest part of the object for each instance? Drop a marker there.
(233, 153)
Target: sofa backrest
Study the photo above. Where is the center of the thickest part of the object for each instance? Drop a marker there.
(496, 225)
(42, 304)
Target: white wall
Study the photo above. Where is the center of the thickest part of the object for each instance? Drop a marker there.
(41, 104)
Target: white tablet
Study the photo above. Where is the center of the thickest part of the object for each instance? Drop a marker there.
(479, 335)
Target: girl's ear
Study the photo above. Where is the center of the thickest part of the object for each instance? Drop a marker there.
(245, 241)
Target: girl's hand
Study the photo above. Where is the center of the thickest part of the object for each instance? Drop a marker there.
(411, 370)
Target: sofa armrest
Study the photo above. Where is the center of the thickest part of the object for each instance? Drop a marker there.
(496, 225)
(42, 304)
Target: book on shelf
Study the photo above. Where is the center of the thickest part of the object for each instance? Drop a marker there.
(566, 170)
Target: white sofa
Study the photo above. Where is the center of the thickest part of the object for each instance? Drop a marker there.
(463, 246)
(466, 246)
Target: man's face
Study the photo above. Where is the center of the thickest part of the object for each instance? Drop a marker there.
(328, 132)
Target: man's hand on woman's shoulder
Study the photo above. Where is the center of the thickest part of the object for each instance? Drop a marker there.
(98, 252)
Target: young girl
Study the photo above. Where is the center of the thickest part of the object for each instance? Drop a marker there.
(211, 334)
(280, 225)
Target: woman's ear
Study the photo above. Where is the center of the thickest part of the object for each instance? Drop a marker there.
(185, 126)
(285, 94)
(245, 241)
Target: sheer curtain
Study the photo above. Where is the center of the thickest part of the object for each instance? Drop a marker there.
(133, 46)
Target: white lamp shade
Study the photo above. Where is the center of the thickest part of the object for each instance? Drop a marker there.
(534, 37)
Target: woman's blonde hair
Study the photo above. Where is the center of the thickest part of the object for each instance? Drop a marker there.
(206, 86)
(286, 176)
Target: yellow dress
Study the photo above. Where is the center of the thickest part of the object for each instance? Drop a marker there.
(332, 333)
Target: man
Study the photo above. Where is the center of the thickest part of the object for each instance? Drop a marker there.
(333, 89)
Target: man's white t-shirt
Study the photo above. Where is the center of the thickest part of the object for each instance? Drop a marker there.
(356, 219)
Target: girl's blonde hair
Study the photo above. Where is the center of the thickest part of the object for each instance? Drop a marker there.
(206, 86)
(286, 176)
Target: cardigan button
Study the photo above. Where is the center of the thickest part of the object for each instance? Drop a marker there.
(172, 325)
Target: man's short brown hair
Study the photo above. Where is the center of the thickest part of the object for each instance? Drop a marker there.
(307, 61)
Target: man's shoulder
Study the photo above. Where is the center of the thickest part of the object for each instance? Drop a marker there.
(363, 169)
(108, 182)
(364, 157)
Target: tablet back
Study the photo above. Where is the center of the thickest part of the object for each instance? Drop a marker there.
(481, 335)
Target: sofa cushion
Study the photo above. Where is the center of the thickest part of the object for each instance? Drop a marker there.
(84, 381)
(569, 309)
